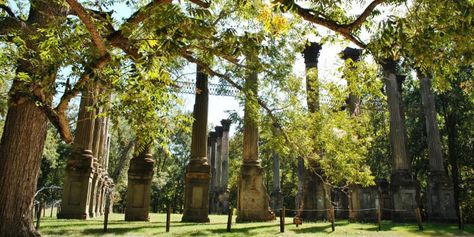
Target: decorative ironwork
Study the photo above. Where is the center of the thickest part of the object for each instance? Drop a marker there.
(187, 87)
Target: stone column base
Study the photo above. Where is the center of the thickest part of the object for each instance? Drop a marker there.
(403, 192)
(140, 175)
(276, 200)
(315, 197)
(440, 197)
(77, 186)
(252, 198)
(196, 193)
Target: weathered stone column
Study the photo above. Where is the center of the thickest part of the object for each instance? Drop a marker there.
(212, 154)
(97, 171)
(276, 196)
(314, 193)
(353, 103)
(79, 168)
(225, 164)
(252, 197)
(402, 185)
(440, 193)
(219, 132)
(100, 186)
(196, 195)
(140, 175)
(353, 99)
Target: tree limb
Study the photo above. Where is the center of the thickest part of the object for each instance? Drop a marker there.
(201, 3)
(90, 25)
(365, 14)
(8, 10)
(345, 30)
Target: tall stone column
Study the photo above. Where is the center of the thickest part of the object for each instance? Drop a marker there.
(97, 171)
(219, 132)
(196, 195)
(353, 103)
(252, 197)
(314, 193)
(225, 164)
(440, 189)
(276, 196)
(212, 155)
(402, 186)
(140, 175)
(79, 168)
(353, 99)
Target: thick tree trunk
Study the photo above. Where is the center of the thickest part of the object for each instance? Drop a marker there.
(21, 149)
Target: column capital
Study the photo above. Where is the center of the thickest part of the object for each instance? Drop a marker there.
(311, 53)
(226, 124)
(351, 53)
(389, 65)
(219, 131)
(213, 136)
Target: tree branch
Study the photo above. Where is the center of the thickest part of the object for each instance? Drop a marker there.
(365, 14)
(90, 25)
(85, 77)
(201, 3)
(8, 10)
(343, 29)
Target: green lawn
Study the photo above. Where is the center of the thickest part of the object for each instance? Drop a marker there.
(156, 227)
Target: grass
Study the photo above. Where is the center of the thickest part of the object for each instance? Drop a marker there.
(217, 226)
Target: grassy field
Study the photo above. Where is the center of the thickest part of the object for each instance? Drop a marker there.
(217, 226)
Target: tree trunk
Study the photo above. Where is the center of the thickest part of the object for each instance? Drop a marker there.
(453, 157)
(21, 149)
(123, 160)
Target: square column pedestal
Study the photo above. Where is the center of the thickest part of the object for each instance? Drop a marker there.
(252, 199)
(403, 196)
(440, 197)
(196, 193)
(77, 186)
(140, 175)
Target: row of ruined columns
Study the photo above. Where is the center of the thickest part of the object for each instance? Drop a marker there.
(400, 194)
(218, 153)
(86, 178)
(207, 172)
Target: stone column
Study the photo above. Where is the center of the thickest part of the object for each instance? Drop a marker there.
(402, 186)
(353, 103)
(314, 193)
(100, 186)
(212, 154)
(79, 168)
(225, 164)
(196, 195)
(440, 193)
(219, 132)
(276, 196)
(140, 175)
(97, 166)
(252, 197)
(218, 193)
(353, 100)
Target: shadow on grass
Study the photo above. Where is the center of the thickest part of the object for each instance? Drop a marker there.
(117, 230)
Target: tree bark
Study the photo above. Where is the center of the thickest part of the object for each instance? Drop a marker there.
(453, 154)
(124, 157)
(21, 149)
